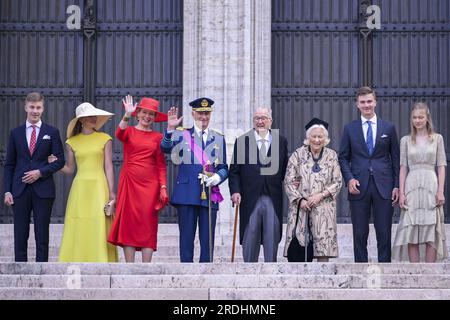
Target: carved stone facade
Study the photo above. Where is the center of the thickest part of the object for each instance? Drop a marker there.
(226, 56)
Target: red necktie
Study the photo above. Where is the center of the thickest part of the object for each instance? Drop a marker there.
(33, 140)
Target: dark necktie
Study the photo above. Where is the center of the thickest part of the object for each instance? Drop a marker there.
(369, 140)
(203, 136)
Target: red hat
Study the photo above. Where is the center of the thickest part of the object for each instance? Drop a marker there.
(151, 104)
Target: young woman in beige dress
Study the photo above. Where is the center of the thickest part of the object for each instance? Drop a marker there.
(421, 231)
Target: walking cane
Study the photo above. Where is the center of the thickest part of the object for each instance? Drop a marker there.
(236, 211)
(307, 238)
(210, 227)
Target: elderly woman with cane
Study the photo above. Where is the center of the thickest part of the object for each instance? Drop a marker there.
(312, 182)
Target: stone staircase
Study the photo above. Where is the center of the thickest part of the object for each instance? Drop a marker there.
(166, 278)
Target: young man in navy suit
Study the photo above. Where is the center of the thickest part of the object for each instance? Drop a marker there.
(200, 153)
(28, 178)
(369, 157)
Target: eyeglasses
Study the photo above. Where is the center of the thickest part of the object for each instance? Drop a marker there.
(256, 119)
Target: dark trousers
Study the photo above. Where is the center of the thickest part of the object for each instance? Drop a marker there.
(263, 227)
(382, 217)
(26, 203)
(188, 217)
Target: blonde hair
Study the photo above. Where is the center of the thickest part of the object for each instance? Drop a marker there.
(421, 106)
(308, 134)
(34, 97)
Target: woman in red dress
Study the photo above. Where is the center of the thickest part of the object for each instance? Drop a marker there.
(142, 187)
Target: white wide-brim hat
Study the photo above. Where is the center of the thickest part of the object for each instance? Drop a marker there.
(88, 110)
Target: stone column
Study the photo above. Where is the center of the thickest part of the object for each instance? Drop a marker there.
(226, 57)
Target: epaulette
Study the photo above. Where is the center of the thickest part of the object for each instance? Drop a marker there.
(181, 128)
(217, 131)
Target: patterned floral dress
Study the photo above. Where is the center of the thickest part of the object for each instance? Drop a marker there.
(322, 217)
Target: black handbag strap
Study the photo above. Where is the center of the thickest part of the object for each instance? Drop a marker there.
(296, 218)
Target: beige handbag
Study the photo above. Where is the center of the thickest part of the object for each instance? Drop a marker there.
(110, 208)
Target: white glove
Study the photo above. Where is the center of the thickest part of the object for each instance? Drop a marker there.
(212, 181)
(202, 176)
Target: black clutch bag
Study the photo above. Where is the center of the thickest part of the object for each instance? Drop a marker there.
(297, 252)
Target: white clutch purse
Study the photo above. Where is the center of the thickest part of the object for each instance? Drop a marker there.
(110, 208)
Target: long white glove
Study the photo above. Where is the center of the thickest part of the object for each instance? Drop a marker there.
(212, 181)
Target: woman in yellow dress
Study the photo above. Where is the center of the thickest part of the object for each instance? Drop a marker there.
(86, 227)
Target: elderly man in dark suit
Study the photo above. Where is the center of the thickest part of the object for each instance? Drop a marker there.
(28, 179)
(255, 181)
(369, 157)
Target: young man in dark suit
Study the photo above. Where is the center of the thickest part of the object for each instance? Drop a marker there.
(369, 157)
(28, 178)
(256, 183)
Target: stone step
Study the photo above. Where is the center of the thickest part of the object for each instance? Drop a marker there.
(164, 240)
(329, 294)
(223, 294)
(168, 250)
(230, 269)
(104, 294)
(54, 281)
(222, 252)
(176, 259)
(171, 230)
(174, 250)
(353, 281)
(169, 234)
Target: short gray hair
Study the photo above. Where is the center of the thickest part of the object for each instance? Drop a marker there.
(308, 134)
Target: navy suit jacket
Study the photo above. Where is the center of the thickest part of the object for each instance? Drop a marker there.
(19, 161)
(187, 189)
(355, 161)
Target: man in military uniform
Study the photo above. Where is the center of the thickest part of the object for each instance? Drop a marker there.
(200, 153)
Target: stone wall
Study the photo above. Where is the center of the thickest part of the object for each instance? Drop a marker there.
(226, 56)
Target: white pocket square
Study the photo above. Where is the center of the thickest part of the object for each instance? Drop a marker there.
(46, 137)
(384, 136)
